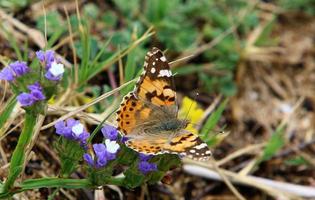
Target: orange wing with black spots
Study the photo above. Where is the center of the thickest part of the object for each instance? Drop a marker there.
(156, 84)
(131, 114)
(186, 144)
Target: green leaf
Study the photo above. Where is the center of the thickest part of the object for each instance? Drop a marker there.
(166, 162)
(296, 161)
(6, 112)
(274, 144)
(110, 19)
(13, 4)
(91, 10)
(126, 156)
(54, 23)
(212, 120)
(18, 155)
(70, 153)
(155, 177)
(133, 178)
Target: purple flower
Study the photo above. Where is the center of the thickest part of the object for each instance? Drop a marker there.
(103, 153)
(110, 132)
(145, 157)
(50, 58)
(35, 86)
(15, 69)
(36, 94)
(54, 69)
(73, 130)
(146, 167)
(124, 139)
(25, 99)
(88, 158)
(6, 74)
(19, 68)
(40, 55)
(36, 91)
(47, 57)
(100, 153)
(51, 77)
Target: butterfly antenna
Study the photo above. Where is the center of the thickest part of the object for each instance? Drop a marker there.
(190, 106)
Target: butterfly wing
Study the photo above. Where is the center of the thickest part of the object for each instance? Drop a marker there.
(156, 84)
(187, 145)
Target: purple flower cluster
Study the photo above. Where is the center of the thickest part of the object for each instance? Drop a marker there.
(13, 70)
(73, 130)
(110, 132)
(144, 166)
(54, 69)
(35, 94)
(103, 153)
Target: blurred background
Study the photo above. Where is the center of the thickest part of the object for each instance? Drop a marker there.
(259, 54)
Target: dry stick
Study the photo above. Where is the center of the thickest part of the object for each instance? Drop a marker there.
(98, 99)
(45, 22)
(11, 130)
(38, 125)
(180, 60)
(274, 188)
(15, 113)
(121, 69)
(196, 52)
(3, 155)
(64, 41)
(218, 39)
(35, 35)
(74, 53)
(240, 152)
(226, 180)
(91, 118)
(248, 168)
(4, 94)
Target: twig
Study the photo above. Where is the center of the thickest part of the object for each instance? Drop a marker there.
(35, 35)
(98, 99)
(245, 150)
(226, 180)
(273, 188)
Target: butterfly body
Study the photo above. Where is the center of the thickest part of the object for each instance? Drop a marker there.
(148, 116)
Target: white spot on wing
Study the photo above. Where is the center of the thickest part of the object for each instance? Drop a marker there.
(201, 146)
(192, 151)
(165, 72)
(163, 58)
(153, 70)
(208, 152)
(153, 63)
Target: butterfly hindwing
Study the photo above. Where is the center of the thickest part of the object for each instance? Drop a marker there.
(187, 145)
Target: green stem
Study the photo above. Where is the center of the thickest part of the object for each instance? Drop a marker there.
(47, 183)
(32, 184)
(18, 157)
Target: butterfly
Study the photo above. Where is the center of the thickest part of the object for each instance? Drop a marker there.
(148, 116)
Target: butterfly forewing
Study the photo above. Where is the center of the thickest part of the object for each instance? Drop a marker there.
(156, 84)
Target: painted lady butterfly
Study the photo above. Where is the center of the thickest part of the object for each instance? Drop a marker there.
(148, 115)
